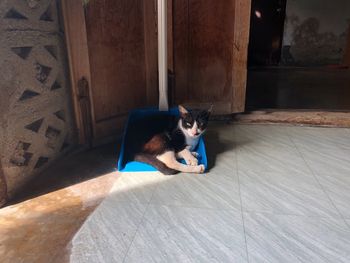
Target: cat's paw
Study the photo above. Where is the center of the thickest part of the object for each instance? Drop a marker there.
(195, 154)
(191, 161)
(201, 168)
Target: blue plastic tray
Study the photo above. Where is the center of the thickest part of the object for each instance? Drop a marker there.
(124, 165)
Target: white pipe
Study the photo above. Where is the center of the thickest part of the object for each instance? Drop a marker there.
(162, 55)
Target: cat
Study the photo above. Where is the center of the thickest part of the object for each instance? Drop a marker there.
(160, 140)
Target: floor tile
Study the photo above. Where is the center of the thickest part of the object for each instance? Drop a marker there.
(222, 163)
(272, 238)
(107, 233)
(263, 135)
(136, 187)
(319, 138)
(212, 190)
(220, 131)
(337, 187)
(327, 161)
(264, 158)
(284, 193)
(174, 234)
(220, 151)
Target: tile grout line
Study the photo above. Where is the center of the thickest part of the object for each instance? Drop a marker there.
(194, 207)
(138, 226)
(318, 182)
(240, 199)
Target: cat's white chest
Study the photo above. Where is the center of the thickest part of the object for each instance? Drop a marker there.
(191, 142)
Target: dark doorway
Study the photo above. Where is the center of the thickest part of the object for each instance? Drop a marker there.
(297, 59)
(266, 32)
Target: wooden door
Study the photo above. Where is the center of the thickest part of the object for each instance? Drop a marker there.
(115, 40)
(107, 42)
(210, 53)
(112, 48)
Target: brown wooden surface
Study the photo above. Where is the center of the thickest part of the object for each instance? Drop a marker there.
(203, 54)
(113, 44)
(181, 50)
(297, 117)
(240, 53)
(151, 46)
(115, 33)
(75, 32)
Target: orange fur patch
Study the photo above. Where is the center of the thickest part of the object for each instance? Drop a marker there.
(156, 145)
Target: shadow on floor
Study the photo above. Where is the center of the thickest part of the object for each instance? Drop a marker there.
(77, 168)
(216, 145)
(71, 170)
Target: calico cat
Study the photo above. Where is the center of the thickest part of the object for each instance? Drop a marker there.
(162, 139)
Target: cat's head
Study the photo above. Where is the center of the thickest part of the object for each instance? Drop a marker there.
(194, 122)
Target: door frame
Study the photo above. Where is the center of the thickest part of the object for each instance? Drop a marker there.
(78, 58)
(240, 54)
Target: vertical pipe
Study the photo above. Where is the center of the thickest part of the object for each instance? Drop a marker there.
(162, 55)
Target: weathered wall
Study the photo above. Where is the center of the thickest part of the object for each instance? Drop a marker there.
(315, 32)
(35, 115)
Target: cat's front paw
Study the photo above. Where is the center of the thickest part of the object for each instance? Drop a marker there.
(191, 161)
(200, 168)
(195, 154)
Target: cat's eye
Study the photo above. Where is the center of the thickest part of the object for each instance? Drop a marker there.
(187, 124)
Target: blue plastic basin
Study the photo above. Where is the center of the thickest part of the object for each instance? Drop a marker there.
(124, 165)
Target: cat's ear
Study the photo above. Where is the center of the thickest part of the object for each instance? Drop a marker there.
(183, 111)
(206, 113)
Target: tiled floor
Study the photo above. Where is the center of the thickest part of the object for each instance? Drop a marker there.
(273, 194)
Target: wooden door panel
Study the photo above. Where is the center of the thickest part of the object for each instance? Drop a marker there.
(118, 82)
(210, 53)
(117, 56)
(181, 50)
(204, 37)
(210, 50)
(112, 46)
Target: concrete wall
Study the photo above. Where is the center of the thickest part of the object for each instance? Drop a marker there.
(35, 113)
(315, 32)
